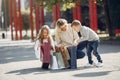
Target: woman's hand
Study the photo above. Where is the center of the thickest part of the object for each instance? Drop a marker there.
(57, 48)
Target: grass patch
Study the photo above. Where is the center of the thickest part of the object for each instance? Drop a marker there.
(117, 38)
(26, 37)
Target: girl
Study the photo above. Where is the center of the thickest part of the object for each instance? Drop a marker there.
(46, 46)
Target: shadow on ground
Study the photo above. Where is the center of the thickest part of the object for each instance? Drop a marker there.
(92, 74)
(38, 71)
(28, 71)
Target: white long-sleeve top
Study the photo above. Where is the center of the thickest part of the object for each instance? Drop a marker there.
(66, 38)
(88, 34)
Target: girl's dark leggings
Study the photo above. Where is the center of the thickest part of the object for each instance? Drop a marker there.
(45, 65)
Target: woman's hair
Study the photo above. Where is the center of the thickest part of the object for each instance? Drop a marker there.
(61, 22)
(76, 23)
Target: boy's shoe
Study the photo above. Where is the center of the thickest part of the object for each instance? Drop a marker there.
(99, 64)
(90, 65)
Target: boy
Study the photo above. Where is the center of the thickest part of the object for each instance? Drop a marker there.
(92, 39)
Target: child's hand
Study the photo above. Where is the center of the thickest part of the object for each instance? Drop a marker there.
(62, 46)
(41, 44)
(52, 48)
(78, 40)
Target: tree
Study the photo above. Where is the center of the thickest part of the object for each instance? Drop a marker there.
(25, 18)
(5, 10)
(112, 11)
(67, 4)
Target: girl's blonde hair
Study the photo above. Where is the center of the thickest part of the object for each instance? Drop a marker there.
(44, 27)
(39, 36)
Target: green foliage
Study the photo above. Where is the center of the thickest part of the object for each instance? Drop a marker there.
(26, 37)
(100, 2)
(66, 4)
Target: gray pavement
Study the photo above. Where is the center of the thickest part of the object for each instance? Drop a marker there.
(18, 62)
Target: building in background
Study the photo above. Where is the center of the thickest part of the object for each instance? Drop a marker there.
(5, 14)
(0, 14)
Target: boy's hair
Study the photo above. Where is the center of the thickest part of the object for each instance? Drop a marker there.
(76, 23)
(61, 22)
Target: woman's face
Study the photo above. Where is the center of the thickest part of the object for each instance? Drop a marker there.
(63, 28)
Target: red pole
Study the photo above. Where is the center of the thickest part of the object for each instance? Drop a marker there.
(41, 19)
(37, 18)
(74, 13)
(58, 10)
(15, 20)
(93, 15)
(78, 11)
(95, 21)
(54, 15)
(42, 16)
(11, 19)
(31, 19)
(20, 19)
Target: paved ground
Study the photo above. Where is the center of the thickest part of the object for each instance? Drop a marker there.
(18, 62)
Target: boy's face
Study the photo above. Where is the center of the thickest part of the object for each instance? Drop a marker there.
(76, 28)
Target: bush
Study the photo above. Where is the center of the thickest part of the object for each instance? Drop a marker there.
(25, 21)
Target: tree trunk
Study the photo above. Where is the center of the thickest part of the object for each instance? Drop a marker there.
(93, 15)
(31, 19)
(111, 29)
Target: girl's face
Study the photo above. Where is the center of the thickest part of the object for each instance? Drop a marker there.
(45, 33)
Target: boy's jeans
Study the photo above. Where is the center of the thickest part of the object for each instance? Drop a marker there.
(80, 47)
(92, 46)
